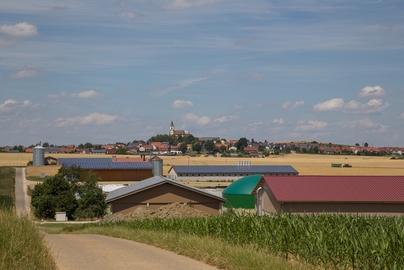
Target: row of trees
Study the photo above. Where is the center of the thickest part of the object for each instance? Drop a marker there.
(72, 190)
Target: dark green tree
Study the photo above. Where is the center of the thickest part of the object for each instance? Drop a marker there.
(183, 147)
(53, 195)
(209, 145)
(45, 144)
(91, 200)
(197, 147)
(242, 142)
(121, 151)
(88, 145)
(366, 144)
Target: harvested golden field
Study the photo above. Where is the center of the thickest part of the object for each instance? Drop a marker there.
(305, 164)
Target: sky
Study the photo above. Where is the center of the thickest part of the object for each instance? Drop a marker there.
(104, 71)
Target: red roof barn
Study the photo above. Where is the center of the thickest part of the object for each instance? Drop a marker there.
(380, 195)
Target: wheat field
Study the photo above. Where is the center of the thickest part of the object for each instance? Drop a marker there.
(305, 164)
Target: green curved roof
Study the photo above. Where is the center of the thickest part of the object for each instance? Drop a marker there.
(243, 186)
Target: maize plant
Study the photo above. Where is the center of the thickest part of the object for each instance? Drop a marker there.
(332, 241)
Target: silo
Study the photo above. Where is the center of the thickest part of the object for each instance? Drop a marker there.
(157, 165)
(39, 156)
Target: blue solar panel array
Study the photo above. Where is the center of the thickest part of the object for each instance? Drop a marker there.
(225, 169)
(103, 163)
(79, 160)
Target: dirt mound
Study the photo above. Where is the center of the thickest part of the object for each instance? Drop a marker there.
(174, 210)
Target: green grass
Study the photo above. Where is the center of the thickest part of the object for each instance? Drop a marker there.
(328, 241)
(7, 191)
(209, 250)
(36, 178)
(21, 244)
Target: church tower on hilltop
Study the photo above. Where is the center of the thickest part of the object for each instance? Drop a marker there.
(172, 128)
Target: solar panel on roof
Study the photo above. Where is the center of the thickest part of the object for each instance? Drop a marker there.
(258, 169)
(100, 164)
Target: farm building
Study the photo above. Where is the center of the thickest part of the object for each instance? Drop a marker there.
(225, 172)
(112, 171)
(365, 195)
(157, 191)
(238, 193)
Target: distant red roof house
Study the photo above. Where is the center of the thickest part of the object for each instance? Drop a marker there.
(382, 195)
(251, 149)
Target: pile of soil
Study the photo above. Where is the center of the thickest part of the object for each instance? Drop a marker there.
(174, 210)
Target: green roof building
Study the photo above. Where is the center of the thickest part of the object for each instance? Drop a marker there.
(238, 193)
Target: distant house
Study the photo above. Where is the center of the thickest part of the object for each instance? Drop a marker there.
(365, 195)
(157, 191)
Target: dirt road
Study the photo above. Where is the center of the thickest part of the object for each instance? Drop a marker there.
(22, 200)
(86, 251)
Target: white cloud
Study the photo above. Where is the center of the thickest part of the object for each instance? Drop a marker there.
(19, 30)
(372, 91)
(14, 105)
(183, 4)
(195, 119)
(278, 121)
(182, 104)
(291, 106)
(401, 116)
(373, 106)
(129, 15)
(27, 72)
(86, 94)
(7, 105)
(91, 119)
(225, 118)
(311, 124)
(329, 105)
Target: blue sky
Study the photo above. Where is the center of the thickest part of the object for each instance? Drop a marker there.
(107, 71)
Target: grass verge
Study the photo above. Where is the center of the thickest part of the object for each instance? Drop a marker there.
(21, 244)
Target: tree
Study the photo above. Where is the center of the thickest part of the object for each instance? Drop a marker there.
(222, 148)
(88, 145)
(45, 144)
(366, 144)
(91, 200)
(53, 195)
(242, 142)
(72, 190)
(209, 145)
(356, 144)
(121, 151)
(183, 147)
(197, 147)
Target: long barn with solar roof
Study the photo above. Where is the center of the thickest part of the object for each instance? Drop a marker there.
(225, 172)
(117, 170)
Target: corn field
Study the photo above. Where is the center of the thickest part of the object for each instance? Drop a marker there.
(331, 241)
(7, 180)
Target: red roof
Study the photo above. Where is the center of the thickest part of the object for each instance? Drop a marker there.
(336, 188)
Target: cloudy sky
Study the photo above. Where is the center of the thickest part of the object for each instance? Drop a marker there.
(106, 71)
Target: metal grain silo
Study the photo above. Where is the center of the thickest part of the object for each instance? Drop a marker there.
(39, 156)
(157, 165)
